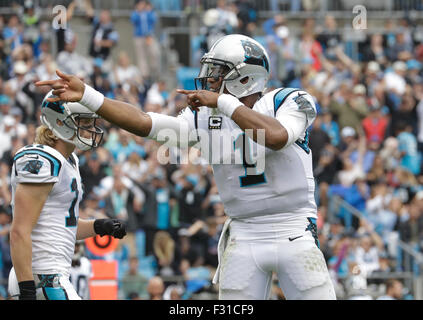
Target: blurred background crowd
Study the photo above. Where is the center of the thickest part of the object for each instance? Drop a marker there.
(367, 140)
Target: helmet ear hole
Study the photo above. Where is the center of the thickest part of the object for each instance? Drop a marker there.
(244, 80)
(59, 123)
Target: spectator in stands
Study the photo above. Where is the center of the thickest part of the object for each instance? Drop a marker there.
(377, 172)
(394, 82)
(411, 230)
(367, 253)
(135, 167)
(407, 145)
(413, 72)
(338, 262)
(348, 106)
(356, 283)
(385, 266)
(147, 47)
(104, 36)
(155, 288)
(92, 172)
(125, 146)
(7, 132)
(318, 139)
(164, 251)
(247, 17)
(383, 210)
(330, 127)
(390, 153)
(12, 32)
(125, 204)
(211, 237)
(405, 113)
(156, 95)
(394, 290)
(5, 106)
(99, 78)
(18, 85)
(174, 292)
(227, 18)
(326, 171)
(70, 61)
(375, 123)
(197, 276)
(124, 73)
(133, 282)
(372, 81)
(189, 200)
(311, 49)
(402, 48)
(375, 51)
(352, 170)
(46, 70)
(329, 37)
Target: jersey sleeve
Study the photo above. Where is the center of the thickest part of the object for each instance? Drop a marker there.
(175, 131)
(34, 166)
(296, 111)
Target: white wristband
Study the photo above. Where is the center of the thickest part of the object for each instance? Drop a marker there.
(227, 104)
(92, 99)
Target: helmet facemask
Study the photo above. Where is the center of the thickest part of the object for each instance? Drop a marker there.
(87, 134)
(218, 70)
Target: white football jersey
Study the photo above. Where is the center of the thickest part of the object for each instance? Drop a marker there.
(285, 184)
(54, 235)
(80, 277)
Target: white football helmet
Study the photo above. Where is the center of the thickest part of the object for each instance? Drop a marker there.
(67, 120)
(241, 61)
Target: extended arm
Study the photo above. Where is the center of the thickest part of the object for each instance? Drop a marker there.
(71, 89)
(126, 116)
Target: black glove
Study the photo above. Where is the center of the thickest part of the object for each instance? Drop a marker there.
(111, 227)
(27, 290)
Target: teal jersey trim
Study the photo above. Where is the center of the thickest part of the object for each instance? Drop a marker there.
(56, 165)
(312, 227)
(280, 97)
(304, 144)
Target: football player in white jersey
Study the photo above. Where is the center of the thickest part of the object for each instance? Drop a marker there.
(271, 208)
(81, 271)
(46, 191)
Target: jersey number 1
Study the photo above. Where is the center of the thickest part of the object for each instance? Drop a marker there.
(71, 221)
(248, 180)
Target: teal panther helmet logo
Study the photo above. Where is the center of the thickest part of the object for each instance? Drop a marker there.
(254, 54)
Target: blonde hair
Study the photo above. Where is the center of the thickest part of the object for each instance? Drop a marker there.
(43, 135)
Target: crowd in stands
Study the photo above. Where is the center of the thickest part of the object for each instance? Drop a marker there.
(367, 143)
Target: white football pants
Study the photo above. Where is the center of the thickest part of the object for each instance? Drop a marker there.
(253, 251)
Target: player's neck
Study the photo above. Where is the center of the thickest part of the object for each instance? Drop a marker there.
(64, 148)
(250, 101)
